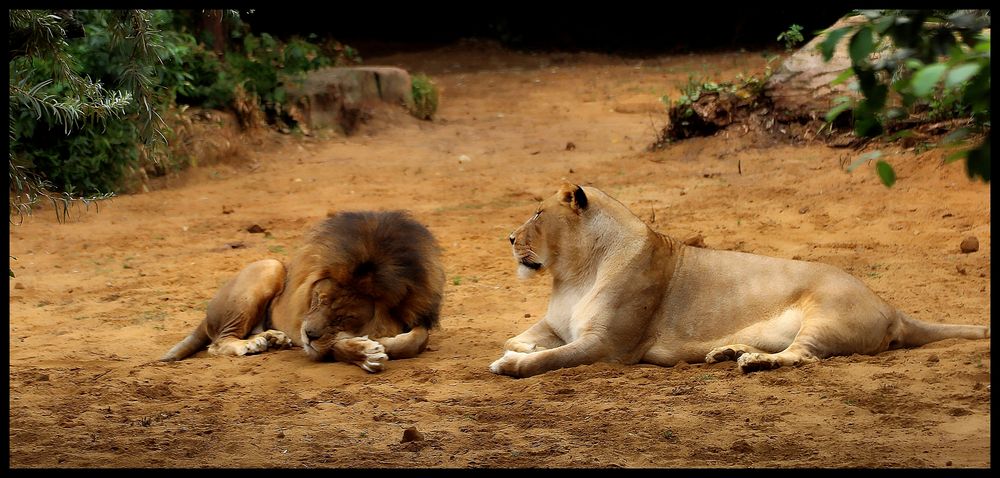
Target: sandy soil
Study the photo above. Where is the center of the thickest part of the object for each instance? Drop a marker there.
(97, 300)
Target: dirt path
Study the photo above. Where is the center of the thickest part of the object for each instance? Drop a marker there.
(97, 300)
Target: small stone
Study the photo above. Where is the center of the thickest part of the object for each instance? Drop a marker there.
(281, 434)
(464, 159)
(411, 434)
(741, 446)
(803, 209)
(19, 286)
(227, 210)
(570, 146)
(933, 359)
(255, 229)
(526, 315)
(961, 269)
(970, 244)
(947, 463)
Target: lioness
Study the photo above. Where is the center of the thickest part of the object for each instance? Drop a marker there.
(624, 293)
(358, 275)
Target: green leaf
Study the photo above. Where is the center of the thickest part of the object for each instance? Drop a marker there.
(978, 162)
(864, 159)
(906, 133)
(861, 46)
(925, 79)
(885, 173)
(837, 110)
(951, 158)
(959, 75)
(829, 44)
(883, 24)
(955, 136)
(843, 76)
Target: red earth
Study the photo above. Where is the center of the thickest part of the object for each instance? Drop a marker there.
(98, 299)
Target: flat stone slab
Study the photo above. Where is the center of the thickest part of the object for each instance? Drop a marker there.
(338, 97)
(800, 87)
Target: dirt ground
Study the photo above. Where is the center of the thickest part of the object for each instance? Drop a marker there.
(97, 300)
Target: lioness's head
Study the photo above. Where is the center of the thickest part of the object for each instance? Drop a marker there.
(553, 228)
(334, 314)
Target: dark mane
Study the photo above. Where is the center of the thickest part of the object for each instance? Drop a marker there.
(387, 256)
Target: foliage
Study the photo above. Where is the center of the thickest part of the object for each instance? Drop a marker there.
(425, 97)
(73, 139)
(745, 87)
(791, 37)
(919, 63)
(50, 94)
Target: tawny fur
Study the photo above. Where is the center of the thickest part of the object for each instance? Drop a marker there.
(357, 275)
(624, 293)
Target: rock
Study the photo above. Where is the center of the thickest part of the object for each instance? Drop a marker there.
(411, 434)
(970, 244)
(340, 97)
(741, 446)
(933, 359)
(800, 87)
(19, 286)
(255, 229)
(570, 146)
(803, 209)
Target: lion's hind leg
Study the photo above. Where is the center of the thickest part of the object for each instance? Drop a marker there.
(236, 315)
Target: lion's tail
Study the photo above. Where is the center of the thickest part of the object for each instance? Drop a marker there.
(194, 342)
(915, 333)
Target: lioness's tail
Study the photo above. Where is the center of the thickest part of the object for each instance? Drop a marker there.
(915, 333)
(194, 342)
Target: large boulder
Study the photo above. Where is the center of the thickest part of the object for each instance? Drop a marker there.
(800, 88)
(341, 97)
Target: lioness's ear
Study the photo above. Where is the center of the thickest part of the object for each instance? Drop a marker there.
(573, 196)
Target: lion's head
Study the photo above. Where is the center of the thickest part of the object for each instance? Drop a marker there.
(554, 228)
(334, 313)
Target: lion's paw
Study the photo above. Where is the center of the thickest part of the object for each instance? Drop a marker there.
(752, 362)
(276, 339)
(253, 345)
(374, 354)
(507, 364)
(722, 354)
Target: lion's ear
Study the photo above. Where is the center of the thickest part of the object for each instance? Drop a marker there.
(573, 196)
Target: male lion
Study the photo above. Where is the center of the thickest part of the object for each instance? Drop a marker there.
(624, 293)
(358, 275)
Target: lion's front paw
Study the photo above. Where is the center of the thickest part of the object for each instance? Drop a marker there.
(371, 354)
(752, 362)
(507, 364)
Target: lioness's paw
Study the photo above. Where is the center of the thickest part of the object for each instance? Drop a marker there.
(523, 347)
(752, 362)
(722, 354)
(507, 364)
